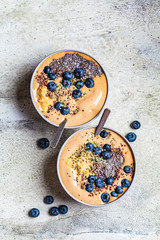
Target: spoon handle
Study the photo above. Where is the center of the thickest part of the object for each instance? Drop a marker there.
(58, 134)
(102, 121)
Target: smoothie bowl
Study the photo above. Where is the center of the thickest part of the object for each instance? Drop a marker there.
(96, 170)
(69, 85)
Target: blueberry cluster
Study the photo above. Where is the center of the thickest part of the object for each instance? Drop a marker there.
(104, 152)
(99, 182)
(131, 136)
(52, 86)
(66, 82)
(54, 211)
(125, 183)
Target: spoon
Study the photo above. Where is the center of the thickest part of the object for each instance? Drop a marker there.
(58, 134)
(102, 121)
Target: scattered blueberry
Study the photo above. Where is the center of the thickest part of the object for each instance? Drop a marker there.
(125, 183)
(43, 143)
(119, 190)
(34, 212)
(58, 105)
(107, 147)
(52, 76)
(99, 182)
(91, 179)
(47, 69)
(89, 146)
(103, 134)
(76, 93)
(48, 199)
(114, 194)
(135, 125)
(52, 86)
(79, 73)
(79, 84)
(127, 169)
(66, 83)
(67, 75)
(89, 187)
(109, 180)
(106, 155)
(65, 110)
(105, 197)
(89, 83)
(131, 137)
(63, 209)
(54, 211)
(97, 150)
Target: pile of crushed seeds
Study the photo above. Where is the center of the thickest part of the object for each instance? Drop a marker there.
(69, 62)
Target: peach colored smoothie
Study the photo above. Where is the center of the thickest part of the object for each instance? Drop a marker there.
(82, 109)
(76, 164)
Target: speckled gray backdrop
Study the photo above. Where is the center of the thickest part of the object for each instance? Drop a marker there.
(124, 37)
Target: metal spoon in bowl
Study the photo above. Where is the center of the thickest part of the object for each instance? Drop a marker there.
(58, 134)
(102, 121)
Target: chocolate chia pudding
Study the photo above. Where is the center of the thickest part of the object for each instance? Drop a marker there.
(69, 85)
(96, 170)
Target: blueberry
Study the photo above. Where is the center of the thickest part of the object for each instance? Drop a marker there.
(109, 180)
(65, 110)
(97, 150)
(58, 105)
(131, 137)
(91, 179)
(66, 83)
(125, 183)
(52, 76)
(106, 155)
(89, 187)
(107, 147)
(63, 209)
(114, 194)
(43, 143)
(89, 146)
(99, 182)
(105, 197)
(119, 190)
(135, 125)
(48, 199)
(79, 73)
(103, 134)
(67, 75)
(54, 211)
(76, 93)
(127, 169)
(47, 69)
(89, 83)
(79, 84)
(34, 212)
(52, 86)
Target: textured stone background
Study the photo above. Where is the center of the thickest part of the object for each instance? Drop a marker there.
(124, 37)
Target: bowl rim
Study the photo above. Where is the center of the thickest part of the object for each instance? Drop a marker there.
(31, 90)
(60, 179)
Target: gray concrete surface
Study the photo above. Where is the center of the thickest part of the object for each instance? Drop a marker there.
(124, 37)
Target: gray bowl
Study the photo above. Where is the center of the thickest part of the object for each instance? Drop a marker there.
(31, 89)
(60, 179)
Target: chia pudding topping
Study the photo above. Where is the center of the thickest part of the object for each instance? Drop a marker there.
(69, 62)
